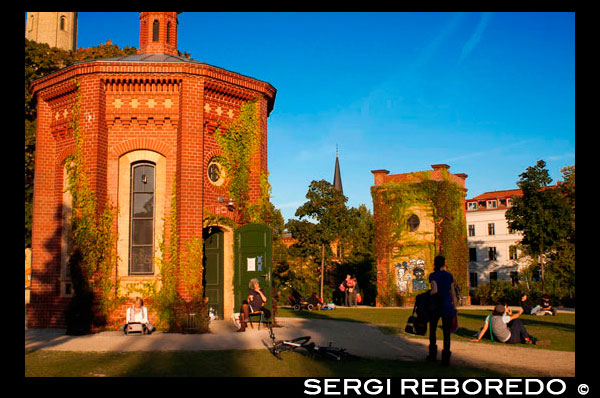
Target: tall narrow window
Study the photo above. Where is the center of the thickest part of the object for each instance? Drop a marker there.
(169, 32)
(142, 219)
(514, 277)
(471, 229)
(491, 229)
(473, 254)
(492, 254)
(62, 22)
(473, 279)
(512, 253)
(155, 30)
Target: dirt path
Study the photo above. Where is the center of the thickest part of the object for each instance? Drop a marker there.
(361, 339)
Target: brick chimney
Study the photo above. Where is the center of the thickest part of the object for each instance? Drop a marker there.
(158, 33)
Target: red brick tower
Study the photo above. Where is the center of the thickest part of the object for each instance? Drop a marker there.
(150, 115)
(158, 33)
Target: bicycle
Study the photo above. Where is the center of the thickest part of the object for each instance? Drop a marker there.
(328, 351)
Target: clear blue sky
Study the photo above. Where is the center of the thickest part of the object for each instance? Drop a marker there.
(487, 93)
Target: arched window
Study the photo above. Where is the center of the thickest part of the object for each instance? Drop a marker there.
(155, 30)
(63, 20)
(31, 21)
(141, 243)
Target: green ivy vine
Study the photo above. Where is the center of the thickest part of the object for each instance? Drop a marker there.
(93, 258)
(392, 202)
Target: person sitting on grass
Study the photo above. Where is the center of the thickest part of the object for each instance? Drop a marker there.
(507, 328)
(546, 306)
(315, 301)
(137, 313)
(528, 308)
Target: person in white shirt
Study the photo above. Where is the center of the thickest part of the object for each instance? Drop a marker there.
(137, 313)
(507, 328)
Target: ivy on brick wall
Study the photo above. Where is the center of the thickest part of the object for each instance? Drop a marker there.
(173, 310)
(239, 142)
(392, 202)
(93, 259)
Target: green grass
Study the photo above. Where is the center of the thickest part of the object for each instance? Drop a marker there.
(560, 329)
(249, 363)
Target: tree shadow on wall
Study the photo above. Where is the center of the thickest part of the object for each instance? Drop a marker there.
(80, 316)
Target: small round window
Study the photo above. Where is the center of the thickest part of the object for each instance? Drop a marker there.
(216, 173)
(413, 223)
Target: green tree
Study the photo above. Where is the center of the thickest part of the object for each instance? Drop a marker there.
(327, 207)
(542, 214)
(358, 252)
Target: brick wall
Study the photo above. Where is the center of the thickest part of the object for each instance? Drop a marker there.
(168, 108)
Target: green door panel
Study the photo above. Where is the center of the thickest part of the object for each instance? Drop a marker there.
(213, 270)
(253, 245)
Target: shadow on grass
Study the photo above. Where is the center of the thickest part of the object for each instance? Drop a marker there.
(250, 363)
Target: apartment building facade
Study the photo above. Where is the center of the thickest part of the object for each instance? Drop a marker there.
(493, 247)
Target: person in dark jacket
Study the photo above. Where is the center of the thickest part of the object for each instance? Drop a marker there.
(255, 302)
(443, 303)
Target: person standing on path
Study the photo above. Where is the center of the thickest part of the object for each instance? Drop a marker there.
(349, 291)
(354, 291)
(443, 303)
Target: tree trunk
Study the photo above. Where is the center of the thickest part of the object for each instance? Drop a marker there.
(542, 264)
(322, 266)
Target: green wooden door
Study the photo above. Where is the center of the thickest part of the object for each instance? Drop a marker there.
(252, 260)
(213, 270)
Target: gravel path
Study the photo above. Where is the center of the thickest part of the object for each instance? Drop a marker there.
(361, 339)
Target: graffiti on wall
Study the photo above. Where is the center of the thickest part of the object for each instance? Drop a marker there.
(410, 276)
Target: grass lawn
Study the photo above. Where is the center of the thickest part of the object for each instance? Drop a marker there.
(250, 363)
(560, 329)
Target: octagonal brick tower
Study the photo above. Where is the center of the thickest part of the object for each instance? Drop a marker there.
(152, 114)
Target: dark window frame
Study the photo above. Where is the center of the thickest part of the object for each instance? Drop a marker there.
(155, 30)
(132, 217)
(492, 253)
(471, 229)
(472, 254)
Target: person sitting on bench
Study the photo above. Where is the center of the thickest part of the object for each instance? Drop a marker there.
(137, 313)
(255, 302)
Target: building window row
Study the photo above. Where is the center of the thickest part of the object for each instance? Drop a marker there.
(492, 277)
(491, 230)
(489, 204)
(492, 253)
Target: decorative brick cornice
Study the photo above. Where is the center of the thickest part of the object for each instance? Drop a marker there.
(142, 143)
(176, 71)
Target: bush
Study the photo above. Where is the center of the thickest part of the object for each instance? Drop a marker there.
(504, 292)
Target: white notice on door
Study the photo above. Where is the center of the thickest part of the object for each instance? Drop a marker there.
(252, 264)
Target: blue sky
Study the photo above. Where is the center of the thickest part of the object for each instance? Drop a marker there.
(487, 93)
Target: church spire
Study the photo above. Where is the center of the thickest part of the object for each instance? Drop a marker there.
(337, 176)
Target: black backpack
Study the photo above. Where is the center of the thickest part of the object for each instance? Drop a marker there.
(418, 324)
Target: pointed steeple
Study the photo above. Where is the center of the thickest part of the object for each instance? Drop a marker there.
(337, 176)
